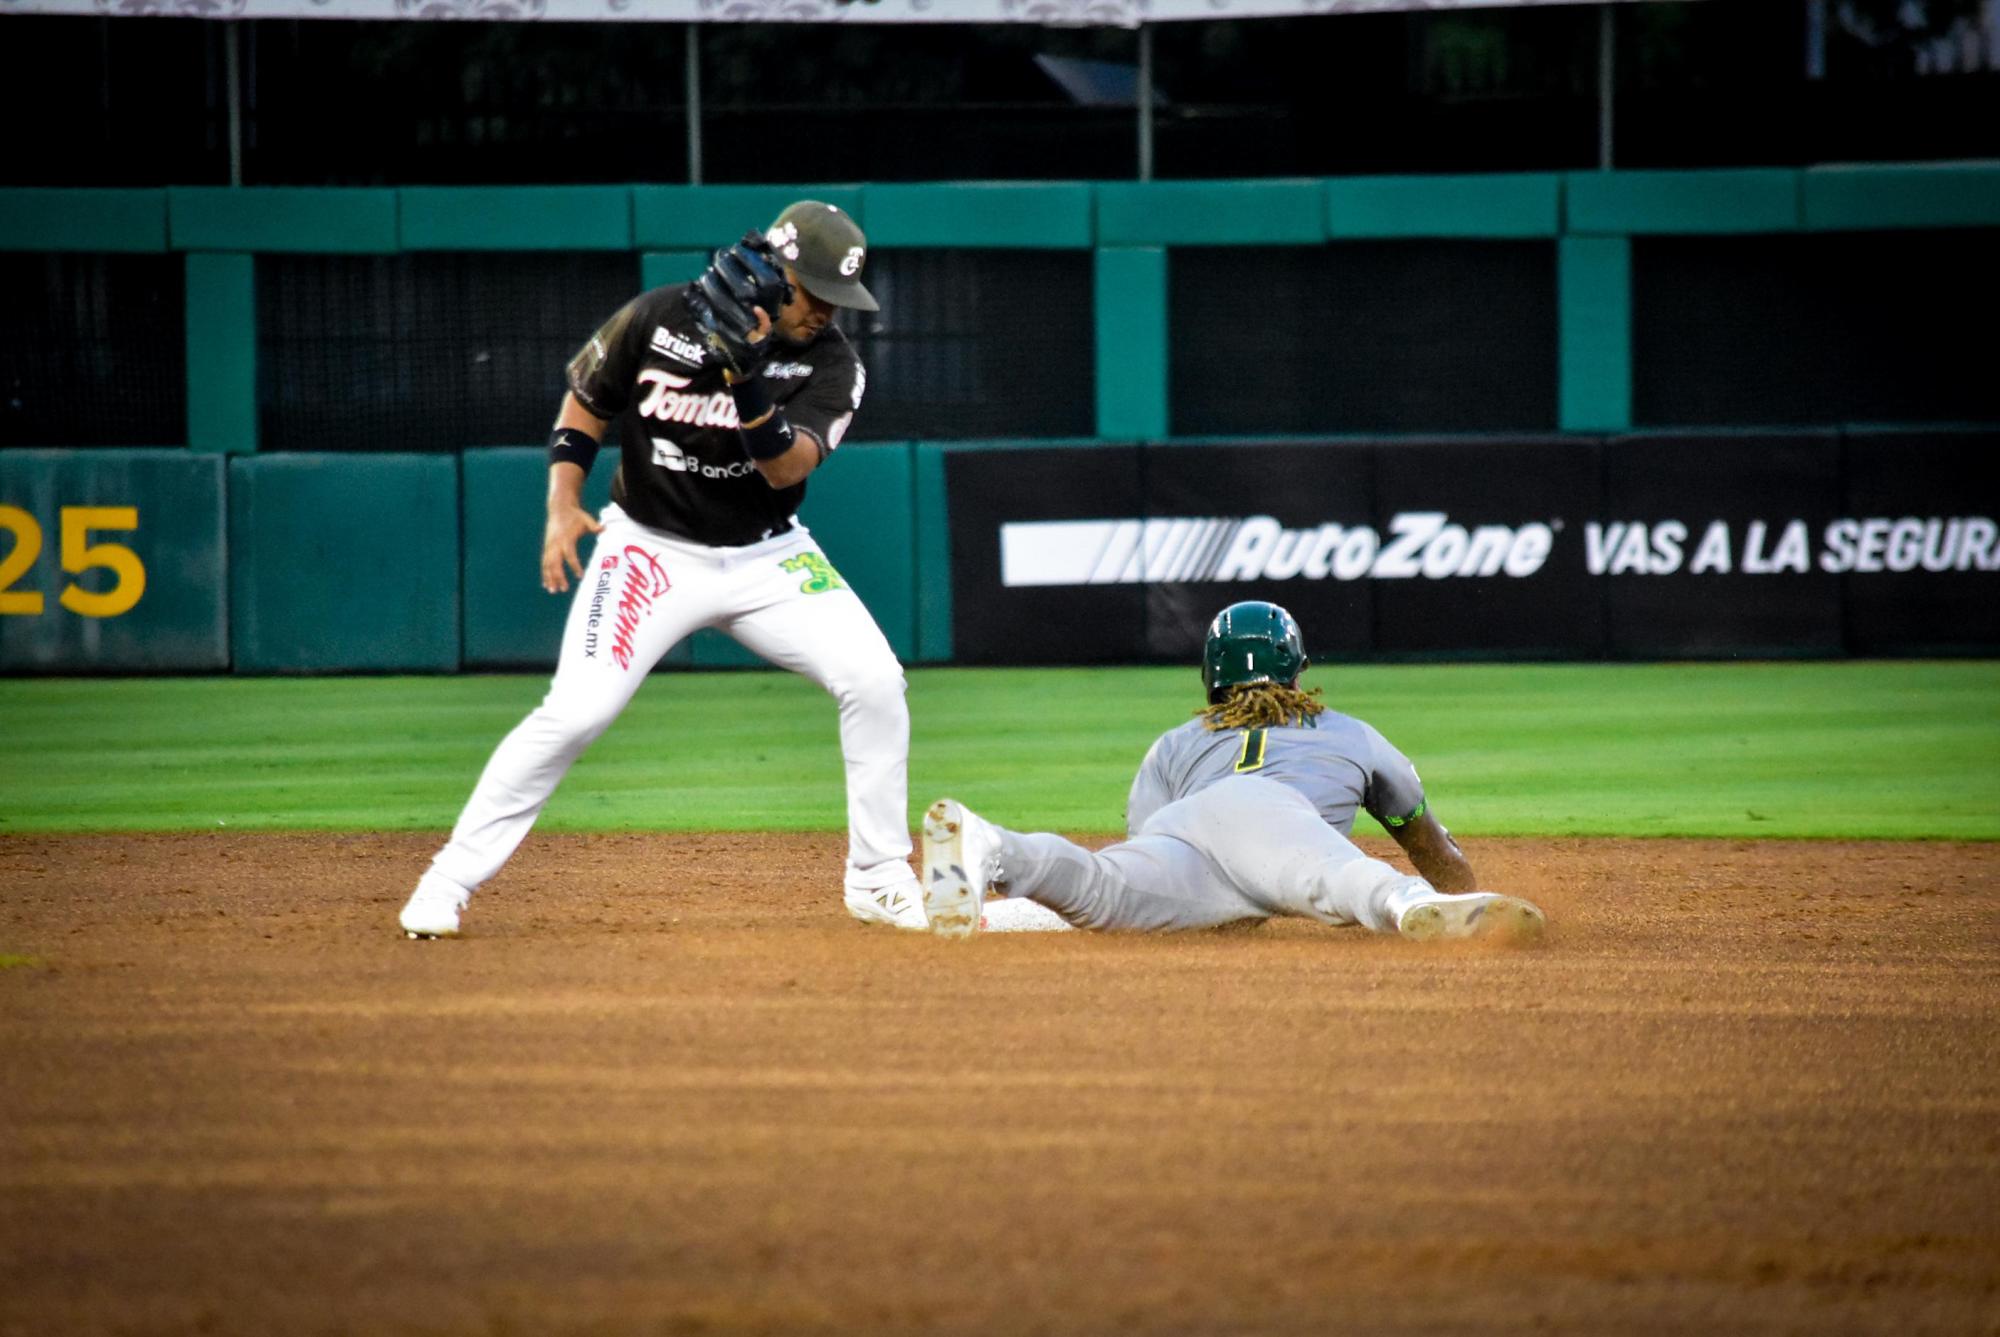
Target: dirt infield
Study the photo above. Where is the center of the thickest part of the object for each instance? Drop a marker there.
(664, 1085)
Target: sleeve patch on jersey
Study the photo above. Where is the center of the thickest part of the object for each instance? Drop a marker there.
(1405, 821)
(1251, 758)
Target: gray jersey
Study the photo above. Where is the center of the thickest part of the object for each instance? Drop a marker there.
(1337, 762)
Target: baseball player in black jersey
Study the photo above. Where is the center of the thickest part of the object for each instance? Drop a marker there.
(720, 397)
(1242, 813)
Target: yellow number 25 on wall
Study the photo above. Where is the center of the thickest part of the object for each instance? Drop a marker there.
(79, 554)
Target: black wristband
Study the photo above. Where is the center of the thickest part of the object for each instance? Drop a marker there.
(773, 436)
(752, 396)
(575, 447)
(768, 439)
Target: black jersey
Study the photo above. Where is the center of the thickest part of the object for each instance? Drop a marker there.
(682, 467)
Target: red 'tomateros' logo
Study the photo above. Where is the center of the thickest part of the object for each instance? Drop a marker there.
(645, 581)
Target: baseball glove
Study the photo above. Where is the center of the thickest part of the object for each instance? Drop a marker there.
(738, 280)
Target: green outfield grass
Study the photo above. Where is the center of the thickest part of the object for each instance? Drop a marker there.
(1878, 749)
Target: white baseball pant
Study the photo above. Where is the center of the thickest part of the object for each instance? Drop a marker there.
(1243, 848)
(641, 593)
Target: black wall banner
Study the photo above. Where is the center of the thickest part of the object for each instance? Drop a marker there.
(1641, 547)
(1700, 541)
(1316, 495)
(1477, 554)
(1917, 548)
(1032, 579)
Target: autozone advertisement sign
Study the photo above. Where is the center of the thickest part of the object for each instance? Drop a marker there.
(1655, 547)
(1428, 545)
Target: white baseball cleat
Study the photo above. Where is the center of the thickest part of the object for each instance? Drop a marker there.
(961, 864)
(899, 905)
(1478, 914)
(432, 910)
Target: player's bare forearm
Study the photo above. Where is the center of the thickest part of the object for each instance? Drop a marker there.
(1433, 852)
(565, 487)
(568, 521)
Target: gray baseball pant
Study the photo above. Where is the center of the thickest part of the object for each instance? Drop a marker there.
(1243, 848)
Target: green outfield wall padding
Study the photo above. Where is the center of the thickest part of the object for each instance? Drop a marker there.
(1594, 333)
(979, 214)
(1732, 200)
(1131, 307)
(1904, 196)
(511, 622)
(858, 506)
(221, 325)
(142, 533)
(1210, 213)
(516, 218)
(341, 563)
(376, 220)
(1367, 207)
(83, 220)
(282, 218)
(704, 217)
(659, 268)
(933, 553)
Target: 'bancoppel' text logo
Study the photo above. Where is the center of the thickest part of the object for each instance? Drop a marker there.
(1419, 544)
(674, 346)
(669, 456)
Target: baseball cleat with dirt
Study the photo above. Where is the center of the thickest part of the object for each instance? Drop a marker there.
(1479, 914)
(961, 864)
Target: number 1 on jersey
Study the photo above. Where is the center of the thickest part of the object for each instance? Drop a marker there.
(1251, 758)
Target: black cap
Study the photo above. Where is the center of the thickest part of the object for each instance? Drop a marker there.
(826, 249)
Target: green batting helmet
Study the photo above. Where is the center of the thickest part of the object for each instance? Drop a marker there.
(1251, 642)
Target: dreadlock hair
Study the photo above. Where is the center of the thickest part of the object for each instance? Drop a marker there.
(1261, 705)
